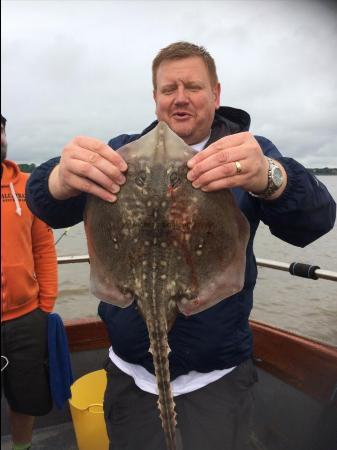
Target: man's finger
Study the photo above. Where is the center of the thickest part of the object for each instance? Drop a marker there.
(221, 158)
(216, 174)
(106, 152)
(88, 186)
(82, 161)
(223, 183)
(92, 173)
(224, 144)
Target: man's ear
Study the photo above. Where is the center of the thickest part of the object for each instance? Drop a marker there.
(155, 99)
(216, 93)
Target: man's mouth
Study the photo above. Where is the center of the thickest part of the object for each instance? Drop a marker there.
(181, 115)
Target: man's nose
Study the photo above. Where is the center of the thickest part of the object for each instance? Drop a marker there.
(181, 96)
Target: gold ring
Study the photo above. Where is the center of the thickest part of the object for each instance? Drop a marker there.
(238, 167)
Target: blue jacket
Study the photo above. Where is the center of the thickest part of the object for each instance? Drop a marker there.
(219, 337)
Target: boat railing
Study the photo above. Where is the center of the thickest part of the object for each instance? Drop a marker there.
(284, 354)
(295, 268)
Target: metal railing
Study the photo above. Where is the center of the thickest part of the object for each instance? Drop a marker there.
(295, 268)
(299, 269)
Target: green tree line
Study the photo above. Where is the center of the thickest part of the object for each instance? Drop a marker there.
(324, 171)
(27, 167)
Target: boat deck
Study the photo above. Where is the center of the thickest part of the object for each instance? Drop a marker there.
(62, 436)
(56, 437)
(295, 399)
(286, 419)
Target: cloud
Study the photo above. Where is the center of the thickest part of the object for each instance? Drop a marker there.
(84, 67)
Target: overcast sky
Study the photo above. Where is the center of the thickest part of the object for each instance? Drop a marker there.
(84, 68)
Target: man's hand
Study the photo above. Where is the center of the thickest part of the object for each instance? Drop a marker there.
(87, 165)
(216, 167)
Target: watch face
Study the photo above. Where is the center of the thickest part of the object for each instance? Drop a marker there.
(277, 176)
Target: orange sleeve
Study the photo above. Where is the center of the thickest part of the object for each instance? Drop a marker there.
(45, 262)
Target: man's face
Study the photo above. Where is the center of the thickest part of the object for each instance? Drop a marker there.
(3, 143)
(185, 98)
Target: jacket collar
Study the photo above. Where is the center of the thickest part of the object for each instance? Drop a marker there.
(226, 121)
(10, 172)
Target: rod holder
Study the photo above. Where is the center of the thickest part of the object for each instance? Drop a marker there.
(303, 270)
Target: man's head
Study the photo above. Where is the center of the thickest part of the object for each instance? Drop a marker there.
(3, 138)
(186, 90)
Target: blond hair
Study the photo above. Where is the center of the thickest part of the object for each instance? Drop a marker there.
(180, 50)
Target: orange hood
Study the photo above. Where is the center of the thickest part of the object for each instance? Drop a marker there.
(10, 175)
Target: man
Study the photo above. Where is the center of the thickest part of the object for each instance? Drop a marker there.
(28, 294)
(210, 361)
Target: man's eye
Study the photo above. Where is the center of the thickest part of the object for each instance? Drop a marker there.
(168, 91)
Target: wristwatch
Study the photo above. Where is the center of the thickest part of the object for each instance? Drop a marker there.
(275, 181)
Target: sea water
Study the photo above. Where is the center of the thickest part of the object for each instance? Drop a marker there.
(307, 307)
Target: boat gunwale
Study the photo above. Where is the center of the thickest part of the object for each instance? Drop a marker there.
(308, 365)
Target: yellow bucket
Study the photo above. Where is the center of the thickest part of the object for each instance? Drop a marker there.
(86, 407)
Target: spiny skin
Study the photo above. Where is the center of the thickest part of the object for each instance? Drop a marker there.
(157, 328)
(165, 245)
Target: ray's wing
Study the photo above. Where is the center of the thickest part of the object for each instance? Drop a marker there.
(112, 256)
(212, 238)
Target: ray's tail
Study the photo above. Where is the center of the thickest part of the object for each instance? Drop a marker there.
(160, 349)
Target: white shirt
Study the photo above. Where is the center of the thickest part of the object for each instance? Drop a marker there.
(184, 383)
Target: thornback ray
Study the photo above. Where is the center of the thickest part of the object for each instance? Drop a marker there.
(165, 245)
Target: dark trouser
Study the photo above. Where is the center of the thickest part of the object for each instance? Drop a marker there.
(216, 417)
(25, 380)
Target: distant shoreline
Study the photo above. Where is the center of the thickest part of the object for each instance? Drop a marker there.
(324, 171)
(315, 171)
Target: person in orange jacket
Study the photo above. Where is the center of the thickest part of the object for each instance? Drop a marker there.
(28, 294)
